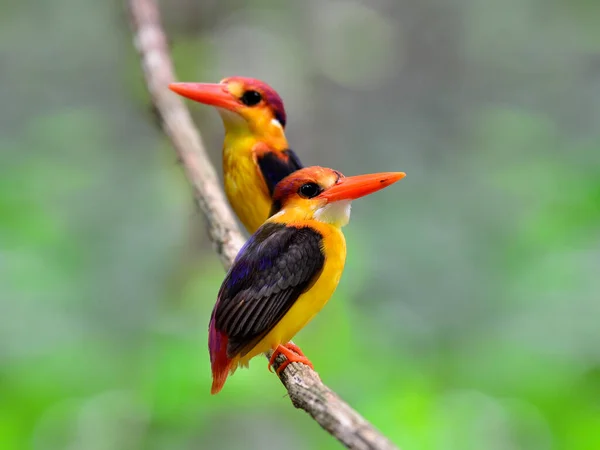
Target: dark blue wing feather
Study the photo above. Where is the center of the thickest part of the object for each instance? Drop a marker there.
(277, 264)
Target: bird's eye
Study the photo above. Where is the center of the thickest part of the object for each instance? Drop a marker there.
(309, 190)
(251, 98)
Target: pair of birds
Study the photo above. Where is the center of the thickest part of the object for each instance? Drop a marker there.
(292, 263)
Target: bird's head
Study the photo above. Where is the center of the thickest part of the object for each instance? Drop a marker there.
(245, 104)
(325, 194)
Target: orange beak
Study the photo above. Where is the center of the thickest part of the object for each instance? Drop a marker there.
(208, 93)
(351, 188)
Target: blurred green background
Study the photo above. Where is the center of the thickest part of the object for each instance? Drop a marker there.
(468, 316)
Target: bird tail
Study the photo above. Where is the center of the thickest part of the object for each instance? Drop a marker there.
(220, 363)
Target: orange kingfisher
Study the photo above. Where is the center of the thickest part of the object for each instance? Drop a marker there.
(288, 269)
(256, 154)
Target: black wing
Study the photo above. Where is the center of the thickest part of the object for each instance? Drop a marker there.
(275, 166)
(277, 264)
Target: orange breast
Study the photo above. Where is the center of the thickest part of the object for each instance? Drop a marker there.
(245, 189)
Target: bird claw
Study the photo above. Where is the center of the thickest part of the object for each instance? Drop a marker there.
(292, 354)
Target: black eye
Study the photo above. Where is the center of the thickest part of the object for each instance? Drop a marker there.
(251, 98)
(309, 190)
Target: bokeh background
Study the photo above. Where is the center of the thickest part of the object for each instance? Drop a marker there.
(469, 313)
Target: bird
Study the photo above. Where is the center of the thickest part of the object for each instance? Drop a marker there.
(287, 270)
(256, 154)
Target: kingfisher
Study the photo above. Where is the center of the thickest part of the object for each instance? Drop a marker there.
(256, 154)
(287, 271)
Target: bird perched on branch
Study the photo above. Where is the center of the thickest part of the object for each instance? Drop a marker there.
(287, 271)
(256, 155)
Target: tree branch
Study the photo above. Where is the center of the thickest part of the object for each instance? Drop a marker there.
(305, 388)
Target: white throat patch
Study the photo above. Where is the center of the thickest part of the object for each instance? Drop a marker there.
(336, 213)
(232, 118)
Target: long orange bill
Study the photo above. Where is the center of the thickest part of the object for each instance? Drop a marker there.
(208, 93)
(351, 188)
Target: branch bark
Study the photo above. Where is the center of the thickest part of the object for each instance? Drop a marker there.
(305, 388)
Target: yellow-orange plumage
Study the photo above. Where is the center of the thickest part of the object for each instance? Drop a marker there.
(245, 185)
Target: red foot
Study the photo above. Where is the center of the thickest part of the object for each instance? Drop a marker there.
(292, 353)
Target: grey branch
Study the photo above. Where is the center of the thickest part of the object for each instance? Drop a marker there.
(305, 388)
